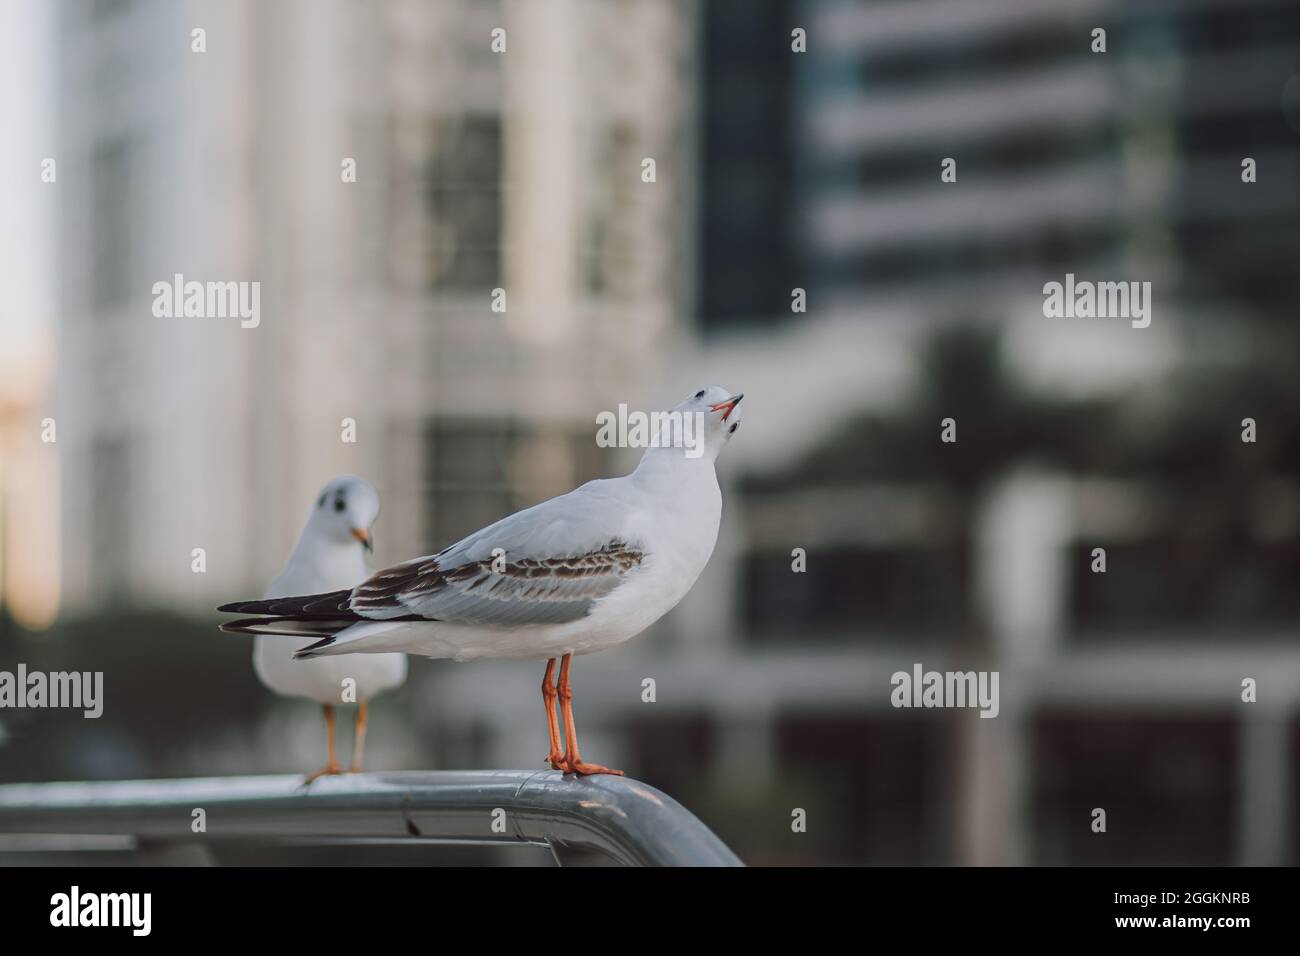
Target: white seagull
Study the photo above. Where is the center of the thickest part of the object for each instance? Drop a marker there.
(573, 575)
(330, 555)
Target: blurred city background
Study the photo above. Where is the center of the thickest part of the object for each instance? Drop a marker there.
(774, 170)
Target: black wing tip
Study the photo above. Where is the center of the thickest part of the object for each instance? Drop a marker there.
(325, 606)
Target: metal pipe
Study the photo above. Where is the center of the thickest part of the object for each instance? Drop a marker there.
(616, 818)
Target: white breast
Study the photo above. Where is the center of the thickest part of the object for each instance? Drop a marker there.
(679, 534)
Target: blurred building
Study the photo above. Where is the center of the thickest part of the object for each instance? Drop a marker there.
(1122, 165)
(475, 171)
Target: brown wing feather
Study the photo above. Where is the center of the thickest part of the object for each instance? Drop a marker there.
(557, 581)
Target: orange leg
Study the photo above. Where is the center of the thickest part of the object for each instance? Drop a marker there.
(331, 762)
(555, 758)
(572, 762)
(359, 736)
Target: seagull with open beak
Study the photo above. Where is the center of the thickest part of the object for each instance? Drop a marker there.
(580, 573)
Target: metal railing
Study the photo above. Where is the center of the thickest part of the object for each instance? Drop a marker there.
(586, 820)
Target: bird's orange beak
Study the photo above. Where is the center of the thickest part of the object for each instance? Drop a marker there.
(727, 406)
(362, 535)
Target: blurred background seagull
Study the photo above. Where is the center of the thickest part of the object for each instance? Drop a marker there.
(573, 575)
(330, 555)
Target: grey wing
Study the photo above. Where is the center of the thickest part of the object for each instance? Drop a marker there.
(546, 565)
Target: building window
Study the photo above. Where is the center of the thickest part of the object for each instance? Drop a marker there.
(856, 595)
(110, 527)
(104, 9)
(1167, 785)
(748, 189)
(608, 248)
(480, 471)
(886, 780)
(463, 194)
(110, 224)
(1175, 586)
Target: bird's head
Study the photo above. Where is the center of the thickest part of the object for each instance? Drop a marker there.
(344, 511)
(719, 410)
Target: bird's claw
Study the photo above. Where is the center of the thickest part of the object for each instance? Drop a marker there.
(583, 769)
(329, 770)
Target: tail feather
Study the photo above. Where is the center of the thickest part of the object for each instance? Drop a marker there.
(309, 615)
(304, 653)
(285, 626)
(353, 639)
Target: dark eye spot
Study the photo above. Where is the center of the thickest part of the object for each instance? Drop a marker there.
(321, 502)
(734, 426)
(700, 393)
(339, 504)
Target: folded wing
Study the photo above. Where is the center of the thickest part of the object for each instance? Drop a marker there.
(545, 565)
